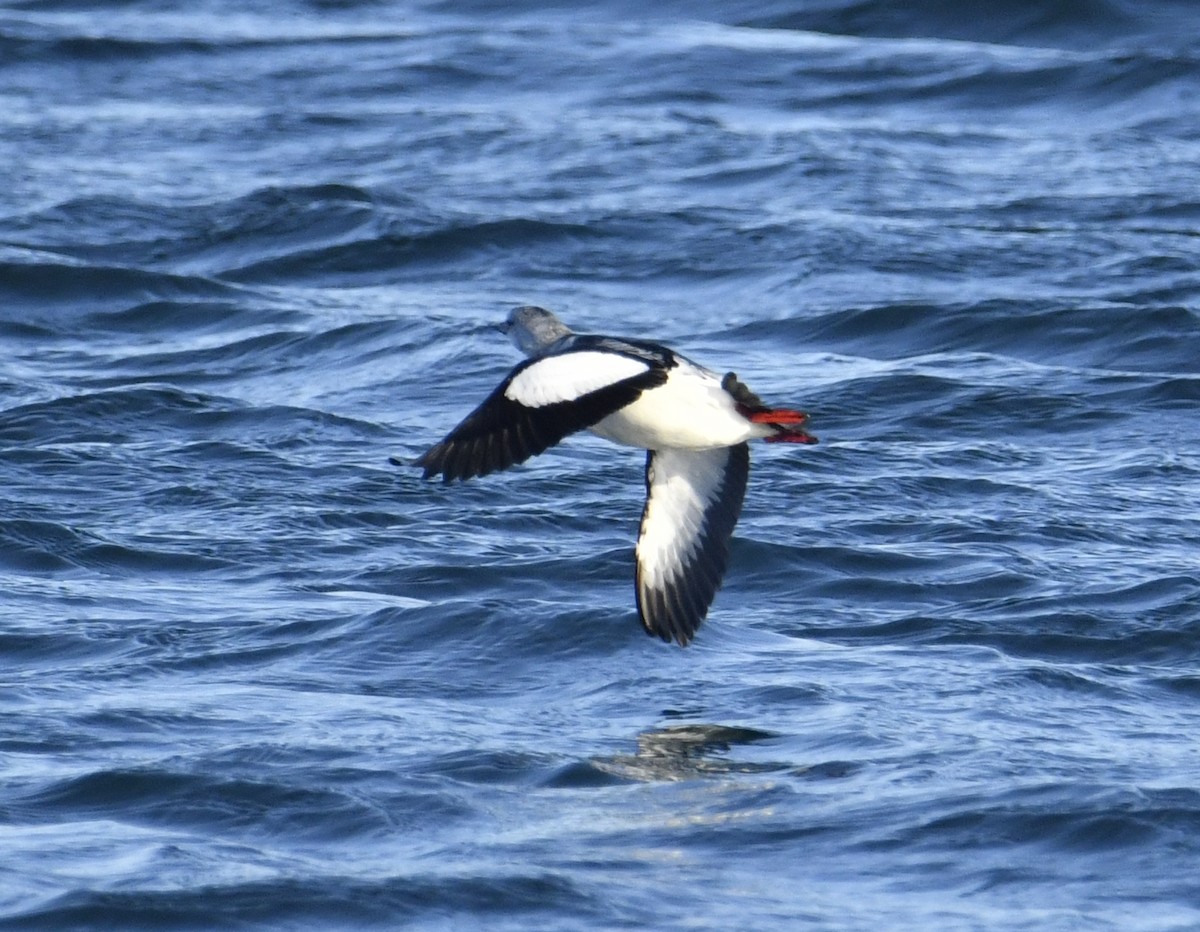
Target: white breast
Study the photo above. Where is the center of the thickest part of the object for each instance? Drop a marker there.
(689, 411)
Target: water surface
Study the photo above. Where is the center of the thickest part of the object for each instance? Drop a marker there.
(254, 675)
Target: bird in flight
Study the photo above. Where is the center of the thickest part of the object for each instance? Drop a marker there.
(693, 423)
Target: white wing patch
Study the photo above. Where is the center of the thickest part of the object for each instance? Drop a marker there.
(693, 502)
(683, 484)
(569, 376)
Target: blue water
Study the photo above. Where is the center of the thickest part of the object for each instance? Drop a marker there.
(252, 675)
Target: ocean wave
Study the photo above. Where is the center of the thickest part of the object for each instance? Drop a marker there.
(1060, 821)
(1077, 23)
(44, 546)
(197, 422)
(396, 252)
(1154, 338)
(299, 898)
(57, 293)
(205, 236)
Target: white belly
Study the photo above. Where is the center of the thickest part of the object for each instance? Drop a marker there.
(689, 411)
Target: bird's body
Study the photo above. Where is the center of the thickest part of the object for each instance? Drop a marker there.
(694, 424)
(690, 411)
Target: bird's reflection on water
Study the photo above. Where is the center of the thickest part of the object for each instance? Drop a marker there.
(685, 752)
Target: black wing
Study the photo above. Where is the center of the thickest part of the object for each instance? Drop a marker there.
(502, 431)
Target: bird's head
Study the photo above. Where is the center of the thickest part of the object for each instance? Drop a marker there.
(532, 329)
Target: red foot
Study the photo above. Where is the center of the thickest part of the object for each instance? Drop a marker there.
(791, 435)
(779, 416)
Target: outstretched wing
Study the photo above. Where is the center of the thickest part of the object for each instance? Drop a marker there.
(693, 499)
(541, 401)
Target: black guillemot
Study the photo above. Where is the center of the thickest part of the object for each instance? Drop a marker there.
(693, 423)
